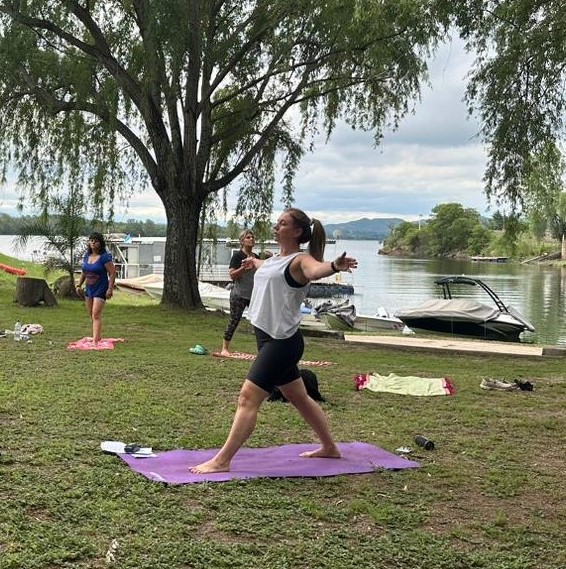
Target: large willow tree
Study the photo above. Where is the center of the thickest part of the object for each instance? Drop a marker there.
(192, 95)
(517, 88)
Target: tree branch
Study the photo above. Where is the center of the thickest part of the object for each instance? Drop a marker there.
(216, 185)
(58, 106)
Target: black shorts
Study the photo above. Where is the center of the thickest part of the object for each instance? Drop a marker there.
(276, 362)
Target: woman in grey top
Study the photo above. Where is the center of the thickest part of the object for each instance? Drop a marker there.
(280, 286)
(243, 277)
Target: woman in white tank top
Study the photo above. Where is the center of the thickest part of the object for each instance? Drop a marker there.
(280, 286)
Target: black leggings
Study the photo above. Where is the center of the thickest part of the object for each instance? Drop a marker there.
(237, 307)
(276, 362)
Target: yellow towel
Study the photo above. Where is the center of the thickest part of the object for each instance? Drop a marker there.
(407, 385)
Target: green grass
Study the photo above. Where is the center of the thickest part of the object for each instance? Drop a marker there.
(490, 496)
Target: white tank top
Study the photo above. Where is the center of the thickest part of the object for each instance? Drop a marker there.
(275, 306)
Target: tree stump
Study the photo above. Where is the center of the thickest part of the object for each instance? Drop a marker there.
(64, 287)
(32, 292)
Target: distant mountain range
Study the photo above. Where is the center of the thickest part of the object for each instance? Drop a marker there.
(370, 229)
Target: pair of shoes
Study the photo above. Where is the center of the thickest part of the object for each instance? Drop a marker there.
(199, 350)
(497, 385)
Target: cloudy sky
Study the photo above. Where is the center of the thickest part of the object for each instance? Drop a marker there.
(434, 157)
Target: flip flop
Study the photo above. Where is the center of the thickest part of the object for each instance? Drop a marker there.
(198, 350)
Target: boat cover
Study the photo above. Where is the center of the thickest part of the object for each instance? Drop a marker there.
(140, 282)
(454, 309)
(344, 311)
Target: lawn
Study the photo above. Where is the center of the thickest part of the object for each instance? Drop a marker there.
(491, 495)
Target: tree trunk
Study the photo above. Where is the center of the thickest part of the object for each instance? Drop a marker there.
(31, 292)
(180, 287)
(563, 250)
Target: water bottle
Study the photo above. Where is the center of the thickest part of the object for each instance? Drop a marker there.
(424, 442)
(17, 331)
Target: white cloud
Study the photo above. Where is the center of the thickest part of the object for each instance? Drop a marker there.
(434, 157)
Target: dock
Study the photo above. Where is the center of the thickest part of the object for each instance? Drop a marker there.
(489, 259)
(462, 346)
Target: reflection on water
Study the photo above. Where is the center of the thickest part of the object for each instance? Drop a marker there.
(538, 293)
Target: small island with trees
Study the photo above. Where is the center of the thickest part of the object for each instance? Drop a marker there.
(458, 232)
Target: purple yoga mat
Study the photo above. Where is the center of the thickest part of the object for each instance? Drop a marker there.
(171, 467)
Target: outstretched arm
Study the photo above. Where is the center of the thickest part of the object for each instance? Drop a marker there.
(309, 269)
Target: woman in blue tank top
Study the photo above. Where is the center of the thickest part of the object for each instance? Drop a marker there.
(280, 285)
(99, 274)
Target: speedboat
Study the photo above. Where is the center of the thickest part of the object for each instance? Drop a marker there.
(465, 316)
(336, 315)
(381, 320)
(344, 317)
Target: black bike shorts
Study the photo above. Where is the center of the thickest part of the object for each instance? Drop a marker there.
(276, 362)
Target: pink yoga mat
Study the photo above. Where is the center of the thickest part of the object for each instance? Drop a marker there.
(171, 467)
(88, 344)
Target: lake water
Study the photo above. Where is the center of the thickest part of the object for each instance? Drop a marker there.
(537, 292)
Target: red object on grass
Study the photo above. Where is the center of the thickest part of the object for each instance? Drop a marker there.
(13, 270)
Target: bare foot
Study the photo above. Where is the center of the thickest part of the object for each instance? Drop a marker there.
(225, 353)
(211, 465)
(322, 452)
